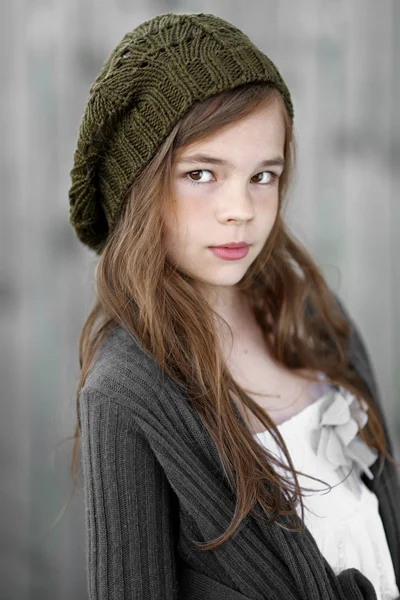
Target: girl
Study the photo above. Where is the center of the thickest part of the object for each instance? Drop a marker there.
(220, 376)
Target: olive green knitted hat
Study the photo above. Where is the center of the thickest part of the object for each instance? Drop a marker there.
(149, 81)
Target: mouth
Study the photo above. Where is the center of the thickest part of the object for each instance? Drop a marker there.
(226, 253)
(232, 245)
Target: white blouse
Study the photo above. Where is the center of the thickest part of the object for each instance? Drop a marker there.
(345, 520)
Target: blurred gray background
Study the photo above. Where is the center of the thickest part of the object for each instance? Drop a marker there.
(340, 59)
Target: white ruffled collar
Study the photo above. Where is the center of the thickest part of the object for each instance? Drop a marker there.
(336, 435)
(330, 422)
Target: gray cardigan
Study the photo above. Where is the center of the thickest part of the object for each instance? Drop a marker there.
(153, 482)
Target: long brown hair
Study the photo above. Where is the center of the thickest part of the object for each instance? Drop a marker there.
(139, 288)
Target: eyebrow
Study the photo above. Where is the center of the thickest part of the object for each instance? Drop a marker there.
(276, 161)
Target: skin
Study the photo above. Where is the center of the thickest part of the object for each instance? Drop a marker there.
(235, 204)
(228, 204)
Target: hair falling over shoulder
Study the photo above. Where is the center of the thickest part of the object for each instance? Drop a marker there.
(137, 287)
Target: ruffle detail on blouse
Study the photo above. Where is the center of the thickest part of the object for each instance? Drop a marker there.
(336, 438)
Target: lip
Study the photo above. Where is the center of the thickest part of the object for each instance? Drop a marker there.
(230, 253)
(233, 245)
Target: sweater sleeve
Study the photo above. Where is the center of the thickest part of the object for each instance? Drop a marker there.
(130, 510)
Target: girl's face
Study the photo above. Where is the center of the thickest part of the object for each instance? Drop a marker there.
(229, 194)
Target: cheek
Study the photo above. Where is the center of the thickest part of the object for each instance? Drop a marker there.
(267, 216)
(191, 201)
(171, 229)
(275, 205)
(180, 226)
(268, 208)
(192, 206)
(191, 213)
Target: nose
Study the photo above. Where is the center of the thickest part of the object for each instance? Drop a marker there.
(236, 206)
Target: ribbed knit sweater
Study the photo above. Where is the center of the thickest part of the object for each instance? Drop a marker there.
(153, 482)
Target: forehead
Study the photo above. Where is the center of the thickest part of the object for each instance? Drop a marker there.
(202, 157)
(259, 135)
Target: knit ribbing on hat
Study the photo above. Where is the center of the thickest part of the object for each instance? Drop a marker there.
(149, 81)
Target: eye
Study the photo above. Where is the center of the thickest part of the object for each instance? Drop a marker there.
(185, 175)
(272, 177)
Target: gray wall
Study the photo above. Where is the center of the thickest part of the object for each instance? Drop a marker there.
(341, 62)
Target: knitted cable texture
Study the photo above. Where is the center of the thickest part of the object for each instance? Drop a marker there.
(148, 82)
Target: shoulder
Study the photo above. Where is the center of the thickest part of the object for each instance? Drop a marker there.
(357, 348)
(356, 345)
(124, 373)
(120, 354)
(126, 389)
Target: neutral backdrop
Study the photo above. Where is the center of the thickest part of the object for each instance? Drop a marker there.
(340, 60)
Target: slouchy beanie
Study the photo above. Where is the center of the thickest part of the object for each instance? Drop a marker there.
(149, 81)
